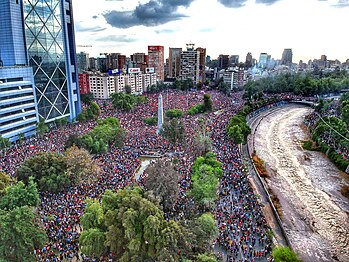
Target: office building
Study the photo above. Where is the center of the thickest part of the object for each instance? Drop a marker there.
(93, 63)
(174, 62)
(83, 61)
(233, 60)
(287, 57)
(223, 61)
(50, 47)
(263, 60)
(202, 64)
(156, 60)
(84, 83)
(249, 60)
(102, 86)
(190, 61)
(18, 107)
(140, 60)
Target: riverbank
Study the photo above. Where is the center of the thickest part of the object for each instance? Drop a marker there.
(315, 214)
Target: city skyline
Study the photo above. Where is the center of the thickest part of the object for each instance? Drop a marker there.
(311, 28)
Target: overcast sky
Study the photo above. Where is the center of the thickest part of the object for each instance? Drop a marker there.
(310, 27)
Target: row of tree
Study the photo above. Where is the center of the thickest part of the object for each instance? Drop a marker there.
(107, 131)
(299, 84)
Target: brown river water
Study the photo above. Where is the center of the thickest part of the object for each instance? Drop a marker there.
(314, 213)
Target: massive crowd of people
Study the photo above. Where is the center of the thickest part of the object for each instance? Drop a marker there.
(242, 227)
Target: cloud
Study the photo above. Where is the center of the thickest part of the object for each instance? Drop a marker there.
(116, 38)
(232, 3)
(342, 3)
(80, 28)
(166, 31)
(153, 13)
(267, 2)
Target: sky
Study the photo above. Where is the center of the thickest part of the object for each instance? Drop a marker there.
(230, 27)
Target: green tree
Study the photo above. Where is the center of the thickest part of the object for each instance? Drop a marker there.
(86, 98)
(20, 233)
(206, 173)
(80, 165)
(206, 258)
(41, 127)
(235, 134)
(174, 113)
(19, 195)
(152, 121)
(207, 103)
(61, 121)
(173, 130)
(345, 114)
(92, 242)
(5, 181)
(128, 89)
(123, 101)
(284, 254)
(202, 143)
(205, 231)
(48, 171)
(4, 142)
(162, 180)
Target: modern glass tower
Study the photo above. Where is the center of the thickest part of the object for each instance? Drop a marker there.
(50, 46)
(18, 111)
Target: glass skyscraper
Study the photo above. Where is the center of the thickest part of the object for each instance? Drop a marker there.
(18, 110)
(50, 42)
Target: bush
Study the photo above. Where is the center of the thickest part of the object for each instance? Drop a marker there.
(285, 254)
(152, 121)
(197, 109)
(174, 113)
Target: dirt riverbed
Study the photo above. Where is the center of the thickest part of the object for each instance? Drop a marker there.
(314, 213)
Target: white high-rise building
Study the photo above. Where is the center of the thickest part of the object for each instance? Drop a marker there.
(190, 62)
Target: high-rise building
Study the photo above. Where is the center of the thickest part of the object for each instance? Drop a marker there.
(82, 61)
(234, 60)
(102, 64)
(93, 63)
(84, 83)
(263, 60)
(174, 62)
(156, 60)
(111, 61)
(248, 61)
(202, 63)
(50, 48)
(121, 62)
(287, 56)
(223, 61)
(140, 60)
(190, 61)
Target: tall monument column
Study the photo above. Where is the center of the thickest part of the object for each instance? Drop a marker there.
(160, 114)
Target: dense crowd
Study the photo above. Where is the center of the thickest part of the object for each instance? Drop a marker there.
(242, 227)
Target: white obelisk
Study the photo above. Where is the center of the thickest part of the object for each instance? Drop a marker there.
(160, 114)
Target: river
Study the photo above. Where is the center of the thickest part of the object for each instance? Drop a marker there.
(314, 213)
